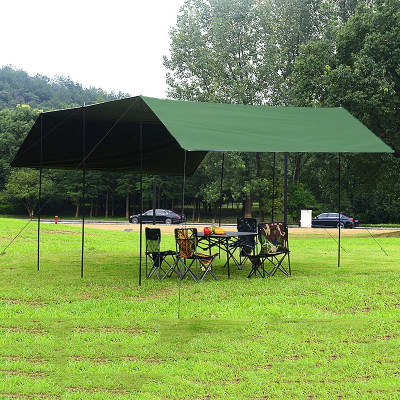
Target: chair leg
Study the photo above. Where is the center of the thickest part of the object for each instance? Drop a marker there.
(156, 262)
(208, 269)
(278, 265)
(187, 269)
(172, 268)
(257, 266)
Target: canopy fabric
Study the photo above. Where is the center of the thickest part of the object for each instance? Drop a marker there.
(171, 128)
(112, 141)
(236, 127)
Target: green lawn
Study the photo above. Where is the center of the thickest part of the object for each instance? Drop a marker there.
(324, 333)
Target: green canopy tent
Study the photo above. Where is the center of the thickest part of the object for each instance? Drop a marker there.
(152, 136)
(171, 127)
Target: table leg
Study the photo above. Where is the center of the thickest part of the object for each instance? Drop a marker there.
(227, 256)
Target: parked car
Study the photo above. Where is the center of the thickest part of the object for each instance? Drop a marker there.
(331, 220)
(162, 217)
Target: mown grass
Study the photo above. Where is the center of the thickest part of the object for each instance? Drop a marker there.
(324, 333)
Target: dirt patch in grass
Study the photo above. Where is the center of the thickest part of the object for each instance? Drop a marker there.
(34, 303)
(29, 396)
(19, 329)
(95, 360)
(163, 292)
(31, 374)
(387, 234)
(92, 390)
(31, 360)
(110, 329)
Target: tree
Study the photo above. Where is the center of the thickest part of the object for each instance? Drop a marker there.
(14, 126)
(299, 198)
(218, 52)
(221, 52)
(23, 185)
(295, 23)
(243, 51)
(359, 71)
(17, 87)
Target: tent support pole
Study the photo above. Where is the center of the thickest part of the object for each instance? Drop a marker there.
(340, 219)
(273, 190)
(285, 195)
(177, 264)
(83, 186)
(285, 205)
(40, 188)
(141, 190)
(184, 184)
(154, 199)
(220, 193)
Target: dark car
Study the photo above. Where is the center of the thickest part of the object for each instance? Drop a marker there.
(331, 220)
(162, 217)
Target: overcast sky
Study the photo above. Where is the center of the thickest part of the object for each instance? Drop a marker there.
(115, 45)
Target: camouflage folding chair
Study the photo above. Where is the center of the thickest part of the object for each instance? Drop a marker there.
(273, 238)
(156, 258)
(188, 257)
(245, 244)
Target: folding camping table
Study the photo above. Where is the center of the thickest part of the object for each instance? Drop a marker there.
(223, 242)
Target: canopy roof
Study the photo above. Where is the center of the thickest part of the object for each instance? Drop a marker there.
(112, 134)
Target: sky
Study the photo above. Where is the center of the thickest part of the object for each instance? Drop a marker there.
(115, 45)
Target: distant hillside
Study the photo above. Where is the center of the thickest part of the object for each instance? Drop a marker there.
(17, 87)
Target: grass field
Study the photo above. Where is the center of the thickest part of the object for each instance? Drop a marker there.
(323, 333)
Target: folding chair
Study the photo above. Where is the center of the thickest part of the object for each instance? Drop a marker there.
(187, 255)
(155, 257)
(274, 243)
(246, 244)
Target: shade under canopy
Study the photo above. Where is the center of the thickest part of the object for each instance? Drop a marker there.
(112, 134)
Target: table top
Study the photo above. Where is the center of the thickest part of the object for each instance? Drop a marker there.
(227, 234)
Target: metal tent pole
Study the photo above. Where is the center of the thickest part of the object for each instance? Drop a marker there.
(40, 188)
(184, 185)
(340, 220)
(220, 193)
(141, 190)
(177, 265)
(83, 185)
(285, 206)
(273, 190)
(154, 199)
(285, 196)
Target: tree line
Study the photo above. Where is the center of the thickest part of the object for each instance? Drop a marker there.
(309, 53)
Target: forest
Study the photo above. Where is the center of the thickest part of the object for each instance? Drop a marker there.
(309, 53)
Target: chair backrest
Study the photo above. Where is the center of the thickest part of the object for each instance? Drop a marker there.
(247, 243)
(186, 241)
(273, 237)
(153, 240)
(247, 225)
